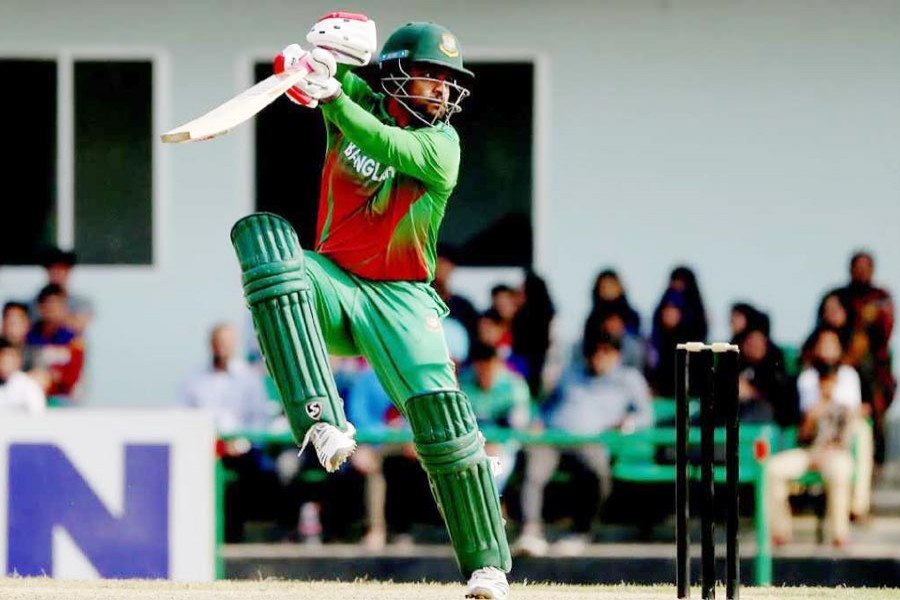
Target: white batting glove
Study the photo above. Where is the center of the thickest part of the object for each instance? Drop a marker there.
(319, 84)
(350, 36)
(289, 58)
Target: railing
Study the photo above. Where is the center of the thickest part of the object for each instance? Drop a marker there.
(635, 459)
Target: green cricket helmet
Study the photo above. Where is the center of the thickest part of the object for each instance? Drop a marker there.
(424, 45)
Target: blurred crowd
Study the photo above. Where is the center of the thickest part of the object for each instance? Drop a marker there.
(833, 391)
(42, 349)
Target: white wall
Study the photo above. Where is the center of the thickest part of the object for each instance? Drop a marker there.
(757, 141)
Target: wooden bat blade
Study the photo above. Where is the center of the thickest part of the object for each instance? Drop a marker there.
(232, 113)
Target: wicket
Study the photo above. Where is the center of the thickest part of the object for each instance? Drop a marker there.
(717, 386)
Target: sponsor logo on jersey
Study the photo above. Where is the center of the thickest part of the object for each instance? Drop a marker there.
(448, 45)
(314, 410)
(366, 166)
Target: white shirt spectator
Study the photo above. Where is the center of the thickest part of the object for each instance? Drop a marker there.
(592, 404)
(236, 397)
(21, 393)
(847, 388)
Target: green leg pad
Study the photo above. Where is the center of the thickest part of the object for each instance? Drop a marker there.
(452, 452)
(280, 299)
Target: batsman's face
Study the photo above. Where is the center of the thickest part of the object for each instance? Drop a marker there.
(429, 90)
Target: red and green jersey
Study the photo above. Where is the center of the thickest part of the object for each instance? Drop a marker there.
(384, 188)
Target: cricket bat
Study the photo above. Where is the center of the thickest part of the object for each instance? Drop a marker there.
(232, 113)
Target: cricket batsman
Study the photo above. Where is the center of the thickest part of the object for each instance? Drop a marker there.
(392, 162)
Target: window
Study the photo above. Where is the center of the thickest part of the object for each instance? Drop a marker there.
(489, 218)
(113, 162)
(290, 152)
(81, 176)
(29, 165)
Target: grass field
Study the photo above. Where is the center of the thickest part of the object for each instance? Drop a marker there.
(44, 589)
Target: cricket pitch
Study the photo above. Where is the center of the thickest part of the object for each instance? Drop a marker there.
(46, 589)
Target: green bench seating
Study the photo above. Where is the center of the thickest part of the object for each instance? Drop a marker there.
(634, 456)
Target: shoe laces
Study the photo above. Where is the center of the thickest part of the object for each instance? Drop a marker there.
(490, 574)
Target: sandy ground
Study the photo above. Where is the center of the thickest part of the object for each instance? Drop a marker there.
(44, 589)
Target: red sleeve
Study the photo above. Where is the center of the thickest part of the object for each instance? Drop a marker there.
(66, 375)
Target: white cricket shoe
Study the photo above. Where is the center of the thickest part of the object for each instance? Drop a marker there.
(332, 445)
(488, 583)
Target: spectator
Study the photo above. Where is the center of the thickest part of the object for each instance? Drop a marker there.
(669, 330)
(500, 398)
(832, 314)
(59, 265)
(634, 348)
(15, 327)
(601, 397)
(461, 309)
(828, 354)
(871, 314)
(493, 331)
(745, 317)
(830, 400)
(531, 326)
(764, 388)
(18, 391)
(694, 321)
(608, 297)
(506, 301)
(57, 351)
(235, 395)
(495, 324)
(228, 388)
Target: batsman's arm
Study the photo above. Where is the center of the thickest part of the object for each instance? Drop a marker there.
(352, 84)
(429, 155)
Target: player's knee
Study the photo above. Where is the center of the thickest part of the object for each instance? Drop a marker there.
(270, 256)
(263, 239)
